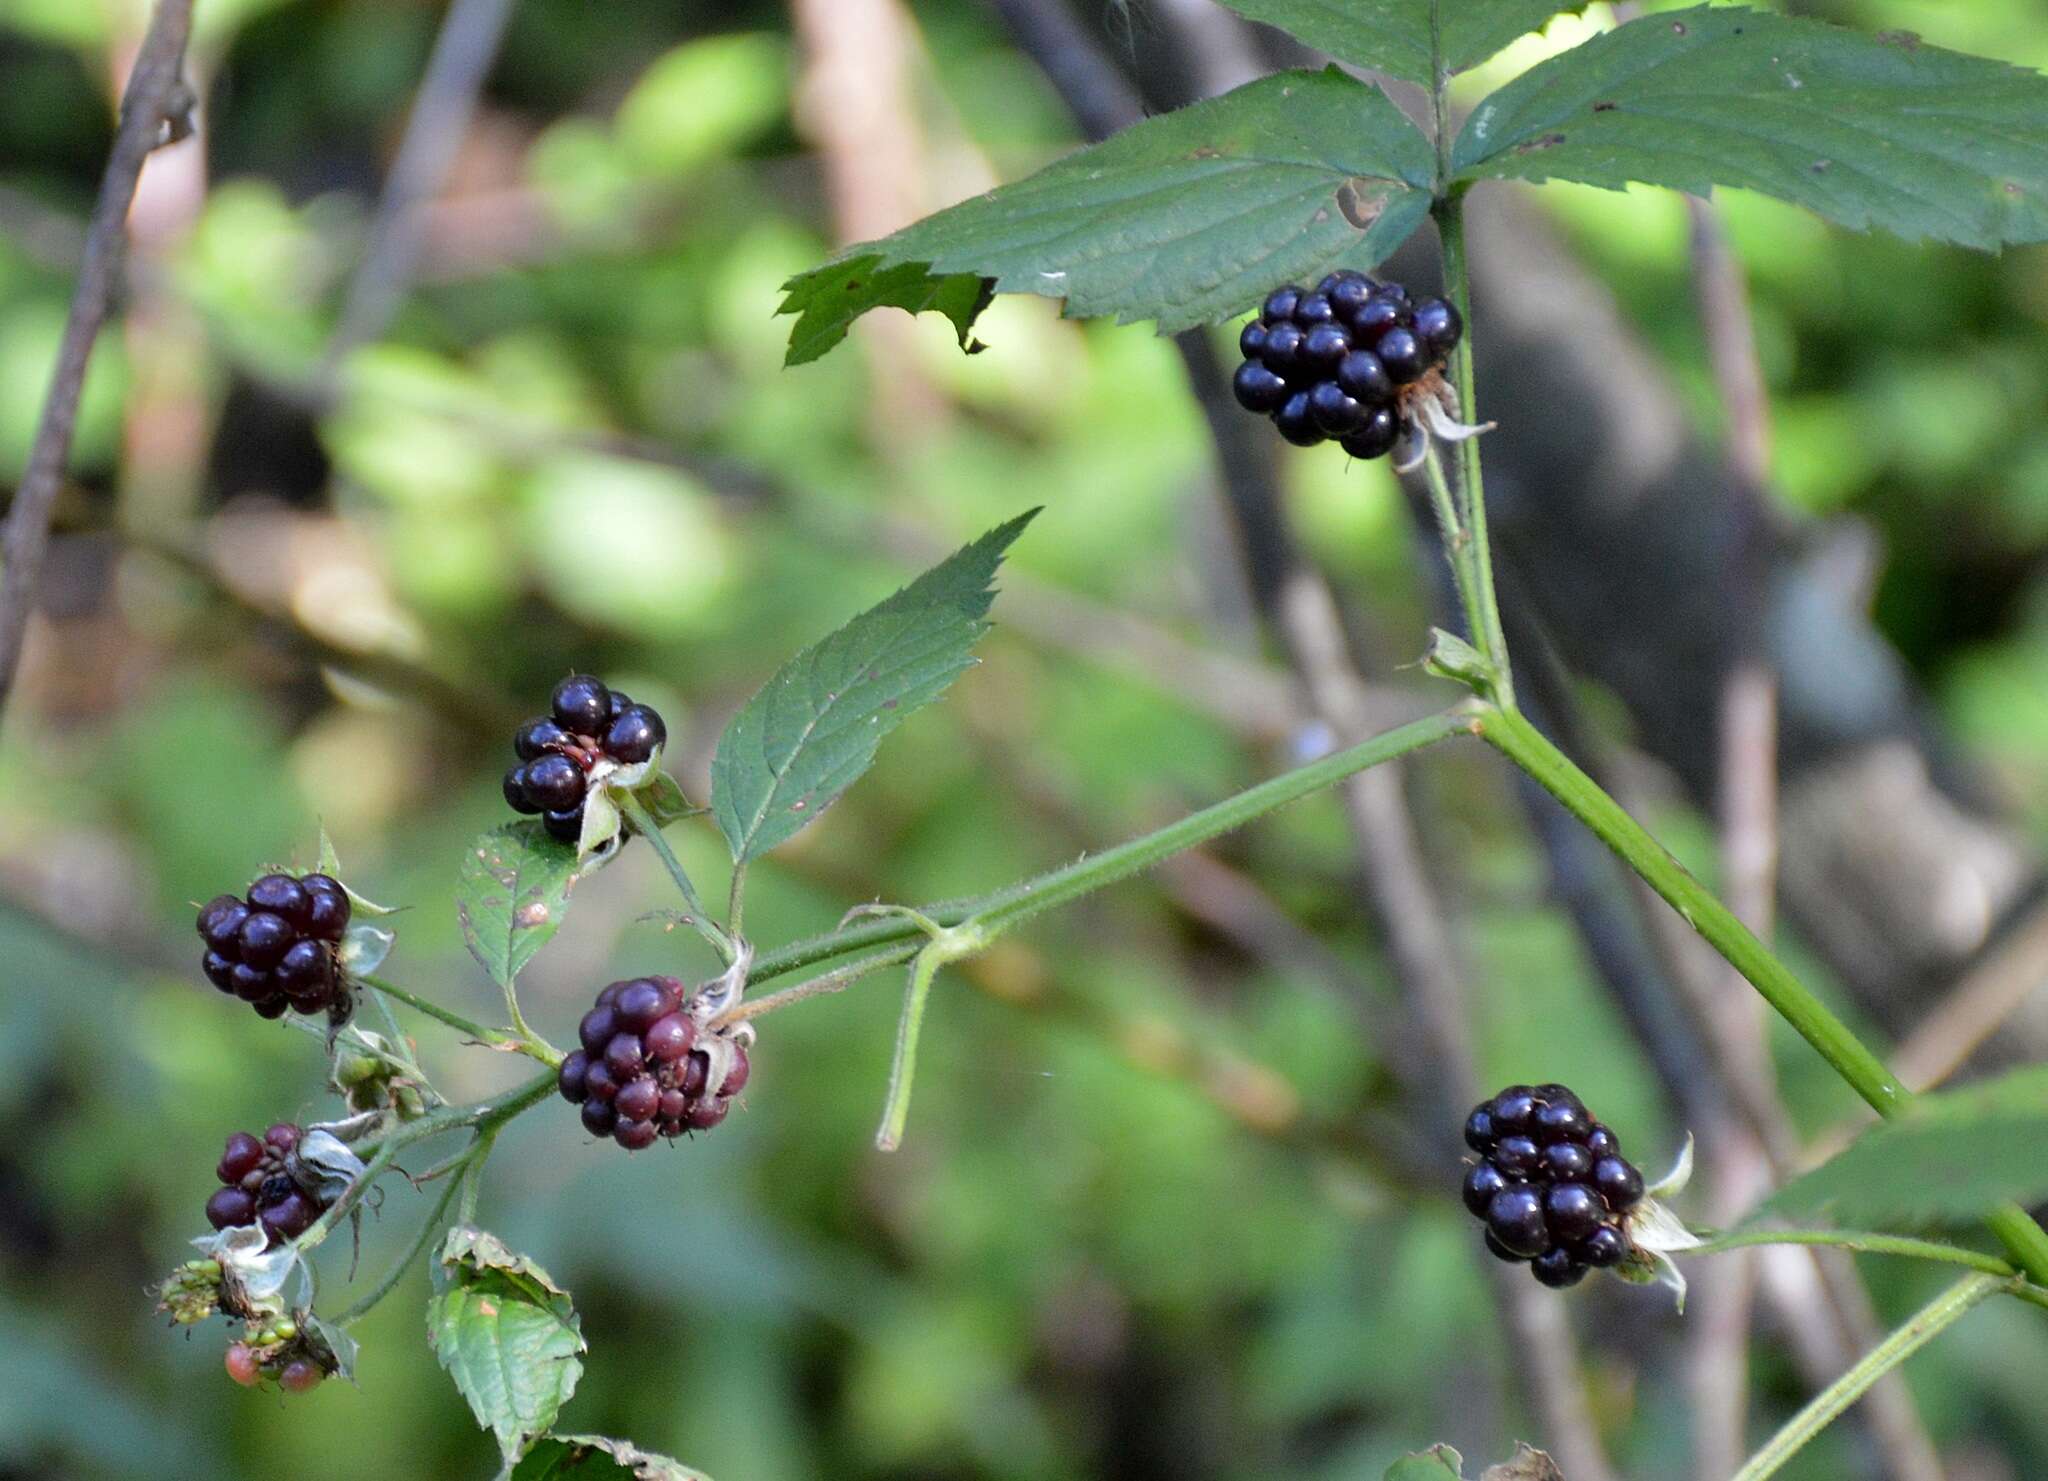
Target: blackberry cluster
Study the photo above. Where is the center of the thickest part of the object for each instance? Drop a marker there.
(643, 1070)
(276, 947)
(586, 723)
(1550, 1183)
(1332, 361)
(262, 1186)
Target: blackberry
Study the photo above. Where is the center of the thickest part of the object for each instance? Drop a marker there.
(644, 1068)
(278, 946)
(264, 1186)
(586, 723)
(1549, 1183)
(1333, 361)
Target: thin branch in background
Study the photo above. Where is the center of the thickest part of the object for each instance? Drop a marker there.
(1985, 997)
(462, 58)
(154, 109)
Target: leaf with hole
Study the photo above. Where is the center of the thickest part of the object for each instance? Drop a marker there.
(1866, 131)
(1950, 1157)
(511, 895)
(1186, 218)
(811, 732)
(1393, 36)
(506, 1333)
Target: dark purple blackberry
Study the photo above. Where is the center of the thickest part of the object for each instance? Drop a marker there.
(1296, 422)
(587, 723)
(1334, 412)
(644, 1070)
(1258, 387)
(264, 1185)
(1377, 437)
(1438, 326)
(1326, 362)
(276, 949)
(1364, 375)
(1549, 1183)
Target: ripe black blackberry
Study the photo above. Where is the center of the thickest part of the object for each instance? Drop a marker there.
(263, 1185)
(647, 1065)
(1336, 362)
(1550, 1184)
(587, 723)
(277, 947)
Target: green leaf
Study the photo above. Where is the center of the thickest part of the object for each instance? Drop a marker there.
(811, 732)
(1438, 1463)
(1952, 1156)
(1185, 218)
(507, 1335)
(593, 1458)
(1392, 36)
(1864, 130)
(831, 298)
(511, 894)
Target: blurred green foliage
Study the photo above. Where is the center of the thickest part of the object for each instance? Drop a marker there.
(577, 447)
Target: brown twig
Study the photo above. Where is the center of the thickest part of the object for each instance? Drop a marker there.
(153, 106)
(463, 53)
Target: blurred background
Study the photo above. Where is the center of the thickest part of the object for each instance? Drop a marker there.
(371, 456)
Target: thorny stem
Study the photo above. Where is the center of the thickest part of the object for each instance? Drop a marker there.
(836, 980)
(699, 917)
(1915, 1333)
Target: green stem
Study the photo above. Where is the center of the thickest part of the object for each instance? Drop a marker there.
(433, 1009)
(1862, 1070)
(1473, 565)
(1920, 1329)
(1862, 1242)
(471, 1178)
(434, 1223)
(699, 917)
(836, 980)
(1016, 902)
(1092, 873)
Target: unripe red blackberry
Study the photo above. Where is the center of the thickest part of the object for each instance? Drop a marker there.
(645, 1068)
(1549, 1183)
(265, 1185)
(587, 723)
(278, 947)
(1333, 361)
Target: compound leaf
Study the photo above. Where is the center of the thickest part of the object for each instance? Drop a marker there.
(1864, 130)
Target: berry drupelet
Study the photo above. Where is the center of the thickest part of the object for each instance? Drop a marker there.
(276, 947)
(586, 723)
(1550, 1184)
(1334, 362)
(261, 1186)
(646, 1064)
